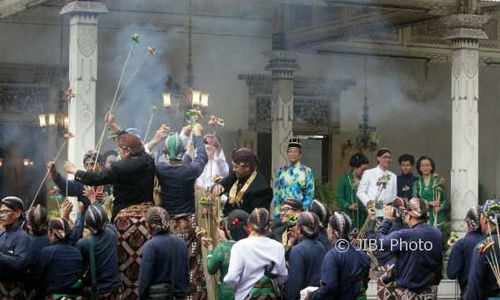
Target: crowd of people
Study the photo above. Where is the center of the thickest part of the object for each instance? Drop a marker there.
(136, 233)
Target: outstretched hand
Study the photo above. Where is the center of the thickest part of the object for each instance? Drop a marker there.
(109, 118)
(70, 168)
(90, 193)
(161, 133)
(51, 168)
(65, 209)
(217, 189)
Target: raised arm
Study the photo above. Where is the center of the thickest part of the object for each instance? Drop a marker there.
(89, 178)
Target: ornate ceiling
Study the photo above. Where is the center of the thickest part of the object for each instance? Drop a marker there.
(391, 28)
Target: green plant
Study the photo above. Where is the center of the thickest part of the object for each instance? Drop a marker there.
(327, 195)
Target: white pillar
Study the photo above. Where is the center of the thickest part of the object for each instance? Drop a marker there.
(282, 65)
(82, 75)
(464, 31)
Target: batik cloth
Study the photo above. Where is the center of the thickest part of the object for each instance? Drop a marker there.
(184, 227)
(115, 295)
(429, 293)
(132, 234)
(12, 291)
(385, 291)
(263, 290)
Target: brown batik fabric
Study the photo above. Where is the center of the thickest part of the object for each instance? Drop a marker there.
(115, 295)
(132, 234)
(385, 291)
(12, 291)
(429, 293)
(184, 227)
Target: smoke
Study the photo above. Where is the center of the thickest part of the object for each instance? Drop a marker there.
(142, 94)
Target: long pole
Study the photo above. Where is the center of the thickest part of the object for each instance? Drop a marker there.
(47, 174)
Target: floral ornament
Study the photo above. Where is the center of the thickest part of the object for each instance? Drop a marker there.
(68, 93)
(438, 183)
(151, 50)
(134, 37)
(67, 135)
(453, 239)
(216, 121)
(55, 195)
(383, 180)
(484, 246)
(193, 116)
(236, 221)
(292, 220)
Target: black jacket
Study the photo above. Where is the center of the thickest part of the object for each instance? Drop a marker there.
(132, 180)
(259, 193)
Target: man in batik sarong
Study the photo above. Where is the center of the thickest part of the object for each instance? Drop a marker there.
(177, 177)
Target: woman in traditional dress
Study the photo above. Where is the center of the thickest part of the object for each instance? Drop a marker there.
(60, 263)
(347, 187)
(99, 253)
(430, 187)
(165, 265)
(319, 209)
(344, 272)
(218, 259)
(37, 225)
(256, 260)
(132, 178)
(306, 257)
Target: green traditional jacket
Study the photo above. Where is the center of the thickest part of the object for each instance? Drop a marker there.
(346, 195)
(218, 260)
(433, 191)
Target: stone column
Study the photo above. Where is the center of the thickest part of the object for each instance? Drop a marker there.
(464, 31)
(82, 75)
(282, 65)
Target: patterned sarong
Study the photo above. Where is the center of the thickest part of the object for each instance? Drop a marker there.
(132, 234)
(263, 290)
(429, 293)
(385, 291)
(184, 227)
(115, 295)
(12, 291)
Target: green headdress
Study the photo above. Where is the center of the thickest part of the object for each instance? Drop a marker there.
(174, 147)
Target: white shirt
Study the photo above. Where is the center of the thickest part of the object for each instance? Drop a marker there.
(248, 259)
(214, 167)
(367, 189)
